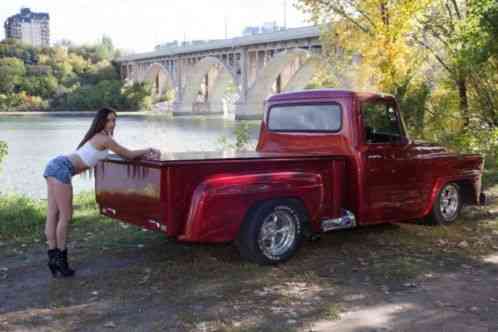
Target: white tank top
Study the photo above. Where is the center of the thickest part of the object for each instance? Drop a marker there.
(90, 155)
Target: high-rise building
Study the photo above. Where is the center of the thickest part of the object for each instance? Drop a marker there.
(29, 28)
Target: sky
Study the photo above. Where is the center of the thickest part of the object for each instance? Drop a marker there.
(139, 25)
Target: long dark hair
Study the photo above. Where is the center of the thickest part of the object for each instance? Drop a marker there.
(98, 124)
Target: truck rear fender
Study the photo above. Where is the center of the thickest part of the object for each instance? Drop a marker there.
(220, 203)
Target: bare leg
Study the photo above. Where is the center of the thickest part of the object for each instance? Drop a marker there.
(52, 216)
(64, 198)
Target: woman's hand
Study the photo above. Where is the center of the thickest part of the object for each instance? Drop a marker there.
(152, 153)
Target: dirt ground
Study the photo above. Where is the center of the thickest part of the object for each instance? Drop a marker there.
(403, 277)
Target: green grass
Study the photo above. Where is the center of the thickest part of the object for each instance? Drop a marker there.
(20, 217)
(23, 218)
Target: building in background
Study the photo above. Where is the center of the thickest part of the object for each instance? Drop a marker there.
(29, 28)
(267, 27)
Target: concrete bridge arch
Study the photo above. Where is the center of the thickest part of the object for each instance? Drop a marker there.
(304, 74)
(287, 70)
(206, 85)
(160, 79)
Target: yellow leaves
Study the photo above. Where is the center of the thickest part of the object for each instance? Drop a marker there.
(387, 57)
(59, 54)
(43, 59)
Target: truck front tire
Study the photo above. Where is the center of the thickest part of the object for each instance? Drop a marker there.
(272, 231)
(447, 205)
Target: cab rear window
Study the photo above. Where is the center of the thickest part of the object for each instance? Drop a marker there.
(318, 117)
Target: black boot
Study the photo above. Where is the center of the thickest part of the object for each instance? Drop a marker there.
(52, 261)
(62, 265)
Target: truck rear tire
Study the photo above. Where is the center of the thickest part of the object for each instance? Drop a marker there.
(447, 205)
(272, 231)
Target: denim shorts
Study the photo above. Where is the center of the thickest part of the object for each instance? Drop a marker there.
(60, 168)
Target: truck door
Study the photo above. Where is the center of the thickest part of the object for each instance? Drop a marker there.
(390, 190)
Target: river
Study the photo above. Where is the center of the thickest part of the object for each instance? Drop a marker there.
(34, 139)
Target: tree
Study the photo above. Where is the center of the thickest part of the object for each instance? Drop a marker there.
(461, 37)
(12, 71)
(481, 31)
(367, 45)
(14, 49)
(138, 95)
(368, 38)
(447, 40)
(104, 50)
(69, 76)
(437, 31)
(3, 151)
(479, 53)
(43, 86)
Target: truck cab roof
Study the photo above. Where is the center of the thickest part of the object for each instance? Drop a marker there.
(320, 94)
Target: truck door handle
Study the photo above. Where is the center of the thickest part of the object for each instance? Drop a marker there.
(374, 156)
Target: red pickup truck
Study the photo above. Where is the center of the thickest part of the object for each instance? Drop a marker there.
(326, 160)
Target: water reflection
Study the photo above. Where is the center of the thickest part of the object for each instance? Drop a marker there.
(33, 140)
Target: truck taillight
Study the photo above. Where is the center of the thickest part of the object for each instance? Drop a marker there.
(107, 210)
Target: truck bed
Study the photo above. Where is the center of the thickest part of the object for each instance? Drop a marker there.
(166, 194)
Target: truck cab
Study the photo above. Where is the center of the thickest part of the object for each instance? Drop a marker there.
(389, 176)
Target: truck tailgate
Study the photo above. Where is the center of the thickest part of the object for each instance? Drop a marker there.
(131, 194)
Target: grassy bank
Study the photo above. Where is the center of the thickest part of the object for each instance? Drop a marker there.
(22, 220)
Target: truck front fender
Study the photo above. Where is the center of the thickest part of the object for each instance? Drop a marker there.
(220, 203)
(470, 185)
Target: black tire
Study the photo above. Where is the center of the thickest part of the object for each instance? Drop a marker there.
(447, 205)
(291, 219)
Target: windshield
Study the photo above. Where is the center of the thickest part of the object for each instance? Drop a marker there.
(317, 117)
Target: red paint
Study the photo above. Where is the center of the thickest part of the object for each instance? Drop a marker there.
(205, 200)
(204, 197)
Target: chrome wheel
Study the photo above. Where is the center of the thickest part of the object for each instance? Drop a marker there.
(278, 232)
(449, 202)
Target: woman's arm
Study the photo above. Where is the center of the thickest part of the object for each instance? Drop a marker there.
(120, 150)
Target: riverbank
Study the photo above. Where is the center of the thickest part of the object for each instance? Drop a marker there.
(122, 114)
(81, 113)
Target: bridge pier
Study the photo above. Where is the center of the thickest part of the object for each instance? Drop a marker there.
(245, 111)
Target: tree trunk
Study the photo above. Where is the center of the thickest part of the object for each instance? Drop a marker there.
(464, 102)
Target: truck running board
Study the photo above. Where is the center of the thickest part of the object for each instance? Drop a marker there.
(347, 220)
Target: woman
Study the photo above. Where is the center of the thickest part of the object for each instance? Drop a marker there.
(95, 146)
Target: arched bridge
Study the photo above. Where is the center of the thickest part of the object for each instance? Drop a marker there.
(204, 77)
